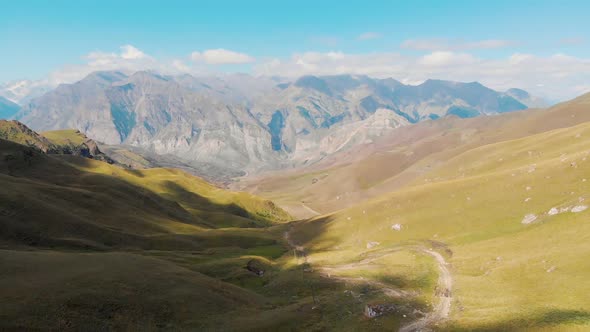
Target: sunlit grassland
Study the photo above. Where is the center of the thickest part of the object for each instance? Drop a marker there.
(64, 137)
(508, 275)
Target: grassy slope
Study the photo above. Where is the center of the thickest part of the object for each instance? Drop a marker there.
(77, 237)
(91, 201)
(90, 246)
(469, 207)
(111, 291)
(395, 160)
(192, 193)
(127, 157)
(65, 137)
(474, 204)
(17, 132)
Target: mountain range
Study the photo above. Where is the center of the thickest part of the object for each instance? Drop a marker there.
(246, 124)
(22, 91)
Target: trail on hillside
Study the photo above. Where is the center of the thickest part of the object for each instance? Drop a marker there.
(312, 211)
(443, 288)
(383, 287)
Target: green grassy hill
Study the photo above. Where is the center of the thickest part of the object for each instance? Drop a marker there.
(48, 290)
(510, 272)
(89, 245)
(474, 225)
(17, 132)
(66, 142)
(85, 245)
(112, 236)
(65, 137)
(99, 205)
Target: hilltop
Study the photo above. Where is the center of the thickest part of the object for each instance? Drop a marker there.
(17, 132)
(70, 142)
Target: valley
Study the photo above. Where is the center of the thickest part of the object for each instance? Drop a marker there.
(449, 224)
(252, 166)
(155, 243)
(472, 209)
(295, 166)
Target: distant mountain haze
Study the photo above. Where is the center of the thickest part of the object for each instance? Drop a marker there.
(245, 123)
(8, 109)
(22, 91)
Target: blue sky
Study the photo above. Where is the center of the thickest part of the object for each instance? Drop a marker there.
(42, 37)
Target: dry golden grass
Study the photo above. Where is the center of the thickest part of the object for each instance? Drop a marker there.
(508, 275)
(390, 163)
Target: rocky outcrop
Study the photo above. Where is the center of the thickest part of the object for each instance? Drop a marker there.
(19, 133)
(255, 267)
(88, 149)
(376, 310)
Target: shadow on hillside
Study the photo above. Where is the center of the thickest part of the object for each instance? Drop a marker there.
(180, 194)
(56, 204)
(306, 232)
(135, 172)
(50, 204)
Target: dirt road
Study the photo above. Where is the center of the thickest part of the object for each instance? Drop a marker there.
(443, 289)
(312, 211)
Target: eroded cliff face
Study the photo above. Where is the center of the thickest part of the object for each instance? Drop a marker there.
(273, 124)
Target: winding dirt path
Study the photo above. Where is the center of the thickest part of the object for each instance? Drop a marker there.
(383, 287)
(443, 289)
(312, 211)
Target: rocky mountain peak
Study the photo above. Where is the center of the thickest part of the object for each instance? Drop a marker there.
(249, 122)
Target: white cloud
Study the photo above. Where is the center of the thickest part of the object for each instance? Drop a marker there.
(129, 59)
(221, 56)
(180, 65)
(130, 52)
(440, 44)
(517, 58)
(445, 58)
(369, 36)
(557, 77)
